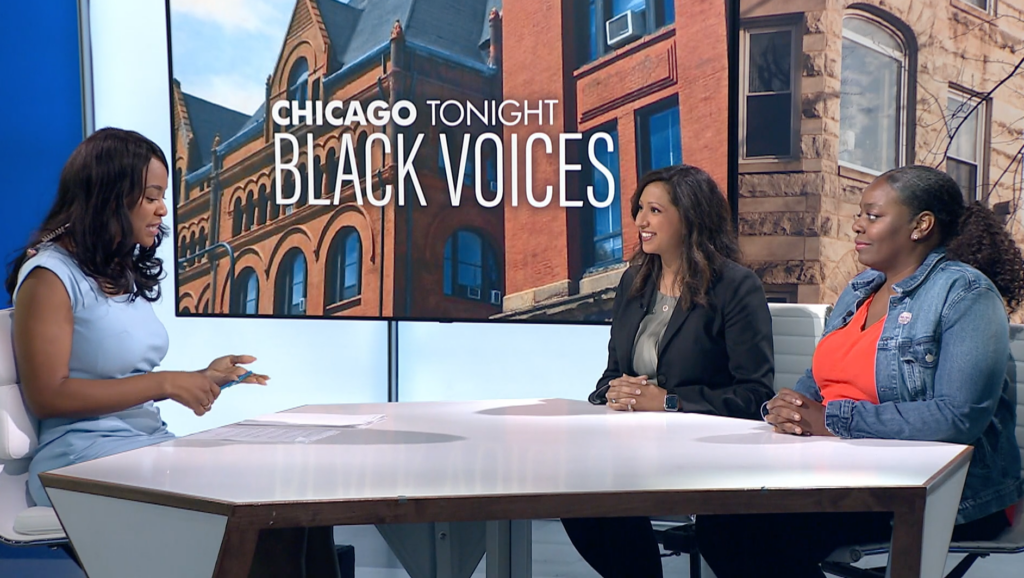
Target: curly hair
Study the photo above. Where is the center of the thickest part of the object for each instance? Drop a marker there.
(708, 235)
(102, 181)
(971, 233)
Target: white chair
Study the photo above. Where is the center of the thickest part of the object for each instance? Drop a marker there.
(840, 562)
(20, 525)
(796, 330)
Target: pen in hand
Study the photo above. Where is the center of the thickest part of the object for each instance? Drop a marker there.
(239, 379)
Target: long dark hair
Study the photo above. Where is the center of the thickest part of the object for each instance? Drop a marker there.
(103, 180)
(708, 235)
(971, 232)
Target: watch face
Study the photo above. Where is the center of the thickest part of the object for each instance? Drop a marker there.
(671, 403)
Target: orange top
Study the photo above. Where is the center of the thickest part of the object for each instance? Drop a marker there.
(844, 365)
(844, 361)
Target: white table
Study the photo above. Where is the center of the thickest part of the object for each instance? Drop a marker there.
(194, 508)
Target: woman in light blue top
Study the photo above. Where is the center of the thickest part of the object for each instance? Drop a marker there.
(86, 337)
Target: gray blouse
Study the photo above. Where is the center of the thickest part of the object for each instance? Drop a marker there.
(648, 337)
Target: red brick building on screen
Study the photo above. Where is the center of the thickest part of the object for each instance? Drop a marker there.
(661, 91)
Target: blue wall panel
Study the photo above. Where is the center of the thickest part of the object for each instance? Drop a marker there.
(41, 102)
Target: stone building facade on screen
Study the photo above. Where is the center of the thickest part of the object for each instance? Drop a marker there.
(835, 92)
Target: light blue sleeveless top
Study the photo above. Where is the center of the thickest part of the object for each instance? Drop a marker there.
(113, 338)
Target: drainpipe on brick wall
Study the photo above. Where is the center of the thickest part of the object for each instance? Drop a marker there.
(397, 76)
(215, 193)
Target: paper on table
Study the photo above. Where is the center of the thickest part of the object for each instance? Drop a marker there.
(256, 433)
(315, 419)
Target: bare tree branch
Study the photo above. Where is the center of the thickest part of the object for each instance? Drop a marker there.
(988, 21)
(1014, 161)
(978, 102)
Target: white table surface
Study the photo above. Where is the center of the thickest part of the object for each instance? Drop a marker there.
(523, 447)
(444, 462)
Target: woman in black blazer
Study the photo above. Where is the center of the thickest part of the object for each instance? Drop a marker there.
(691, 332)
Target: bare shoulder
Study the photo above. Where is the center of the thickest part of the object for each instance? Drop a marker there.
(42, 287)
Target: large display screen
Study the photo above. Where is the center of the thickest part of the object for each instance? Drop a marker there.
(429, 159)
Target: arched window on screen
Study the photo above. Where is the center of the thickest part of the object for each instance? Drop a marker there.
(237, 214)
(246, 293)
(298, 81)
(193, 244)
(471, 268)
(250, 212)
(873, 95)
(290, 287)
(262, 204)
(344, 267)
(202, 240)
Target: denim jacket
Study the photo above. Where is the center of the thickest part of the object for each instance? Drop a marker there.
(943, 372)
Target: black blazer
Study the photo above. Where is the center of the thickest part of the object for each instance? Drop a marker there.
(718, 359)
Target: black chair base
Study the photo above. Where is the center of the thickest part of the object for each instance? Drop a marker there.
(346, 560)
(848, 571)
(679, 540)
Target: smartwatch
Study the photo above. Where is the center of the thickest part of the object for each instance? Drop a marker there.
(671, 402)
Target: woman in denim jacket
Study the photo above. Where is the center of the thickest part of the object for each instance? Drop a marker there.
(917, 348)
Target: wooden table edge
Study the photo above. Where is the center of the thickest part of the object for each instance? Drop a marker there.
(950, 469)
(136, 494)
(510, 506)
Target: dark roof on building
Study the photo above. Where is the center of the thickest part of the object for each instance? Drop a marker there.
(458, 29)
(257, 117)
(340, 20)
(454, 28)
(209, 119)
(451, 27)
(370, 28)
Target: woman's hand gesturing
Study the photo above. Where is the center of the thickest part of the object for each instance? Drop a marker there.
(197, 390)
(226, 369)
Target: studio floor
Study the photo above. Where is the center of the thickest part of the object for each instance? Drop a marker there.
(553, 557)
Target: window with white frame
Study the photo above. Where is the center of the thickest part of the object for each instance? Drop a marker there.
(245, 300)
(965, 122)
(344, 267)
(646, 17)
(471, 268)
(981, 4)
(872, 102)
(768, 83)
(290, 288)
